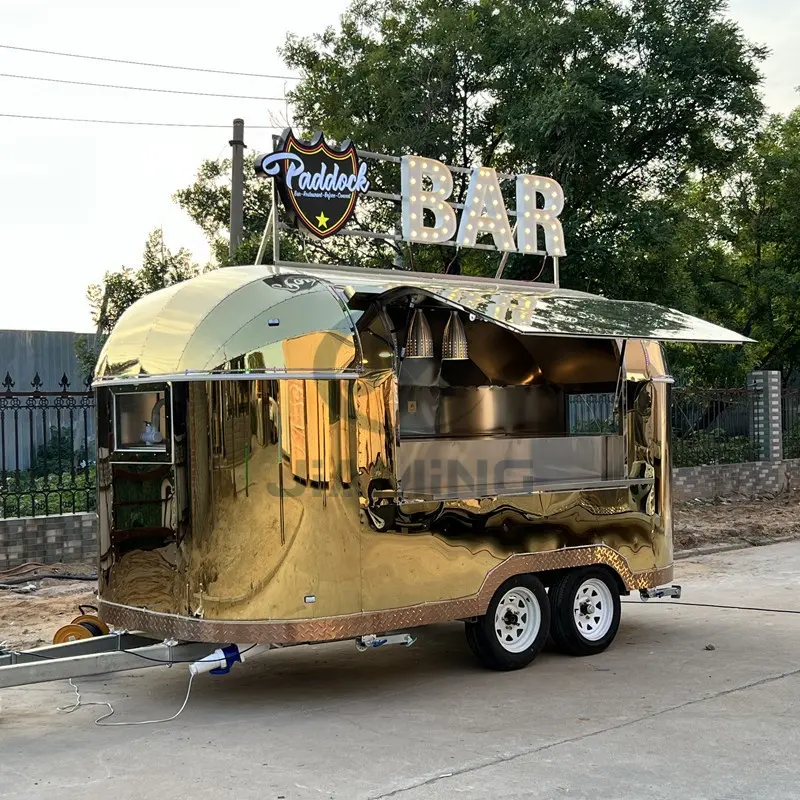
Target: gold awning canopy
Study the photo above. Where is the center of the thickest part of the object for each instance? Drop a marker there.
(534, 308)
(295, 319)
(233, 320)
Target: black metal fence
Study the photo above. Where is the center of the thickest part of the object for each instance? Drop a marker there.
(47, 449)
(790, 414)
(713, 426)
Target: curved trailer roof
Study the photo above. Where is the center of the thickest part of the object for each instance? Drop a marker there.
(294, 319)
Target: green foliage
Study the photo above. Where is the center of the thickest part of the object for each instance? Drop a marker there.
(619, 102)
(119, 290)
(791, 443)
(28, 495)
(207, 201)
(743, 249)
(678, 191)
(712, 447)
(60, 454)
(87, 353)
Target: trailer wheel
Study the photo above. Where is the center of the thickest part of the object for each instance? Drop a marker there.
(515, 626)
(585, 611)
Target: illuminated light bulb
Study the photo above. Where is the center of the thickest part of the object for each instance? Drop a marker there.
(469, 226)
(412, 181)
(553, 207)
(422, 198)
(506, 246)
(424, 165)
(466, 240)
(413, 199)
(491, 225)
(473, 213)
(527, 230)
(413, 163)
(447, 218)
(536, 182)
(415, 233)
(547, 184)
(441, 206)
(546, 215)
(491, 188)
(484, 173)
(555, 238)
(527, 197)
(424, 234)
(494, 202)
(435, 167)
(553, 226)
(558, 252)
(476, 200)
(527, 181)
(527, 247)
(528, 213)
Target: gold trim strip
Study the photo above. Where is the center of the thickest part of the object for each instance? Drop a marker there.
(350, 626)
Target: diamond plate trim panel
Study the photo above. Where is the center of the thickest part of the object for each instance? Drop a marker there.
(347, 627)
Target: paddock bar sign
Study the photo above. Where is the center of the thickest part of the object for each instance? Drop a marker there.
(319, 187)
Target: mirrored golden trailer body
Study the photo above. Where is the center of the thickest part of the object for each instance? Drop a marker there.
(291, 455)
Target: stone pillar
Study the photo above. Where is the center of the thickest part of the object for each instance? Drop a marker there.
(766, 423)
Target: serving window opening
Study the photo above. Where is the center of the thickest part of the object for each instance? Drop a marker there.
(512, 414)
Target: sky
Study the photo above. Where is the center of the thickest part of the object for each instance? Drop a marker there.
(77, 200)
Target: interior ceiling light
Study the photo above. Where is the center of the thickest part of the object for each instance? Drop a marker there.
(419, 343)
(454, 343)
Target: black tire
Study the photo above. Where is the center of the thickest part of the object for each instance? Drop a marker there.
(583, 639)
(499, 650)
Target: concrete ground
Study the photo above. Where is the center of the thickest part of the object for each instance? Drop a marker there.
(657, 715)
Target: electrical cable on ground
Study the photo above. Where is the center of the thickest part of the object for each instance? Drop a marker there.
(126, 122)
(139, 88)
(165, 662)
(15, 580)
(713, 605)
(100, 720)
(149, 64)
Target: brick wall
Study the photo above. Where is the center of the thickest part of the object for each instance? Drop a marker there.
(721, 480)
(69, 538)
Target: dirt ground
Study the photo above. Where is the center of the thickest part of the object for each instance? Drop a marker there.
(31, 619)
(737, 520)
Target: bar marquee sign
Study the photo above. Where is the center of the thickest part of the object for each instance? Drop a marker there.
(320, 185)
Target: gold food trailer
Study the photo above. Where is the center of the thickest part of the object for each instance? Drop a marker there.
(298, 453)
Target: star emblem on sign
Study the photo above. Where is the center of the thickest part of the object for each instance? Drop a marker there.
(322, 220)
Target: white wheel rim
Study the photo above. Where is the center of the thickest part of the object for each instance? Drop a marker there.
(593, 609)
(517, 619)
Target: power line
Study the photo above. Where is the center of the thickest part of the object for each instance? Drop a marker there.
(139, 88)
(148, 64)
(126, 122)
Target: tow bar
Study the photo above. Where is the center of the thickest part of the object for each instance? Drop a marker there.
(660, 591)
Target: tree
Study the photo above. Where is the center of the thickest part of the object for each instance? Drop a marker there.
(207, 201)
(743, 240)
(160, 268)
(619, 102)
